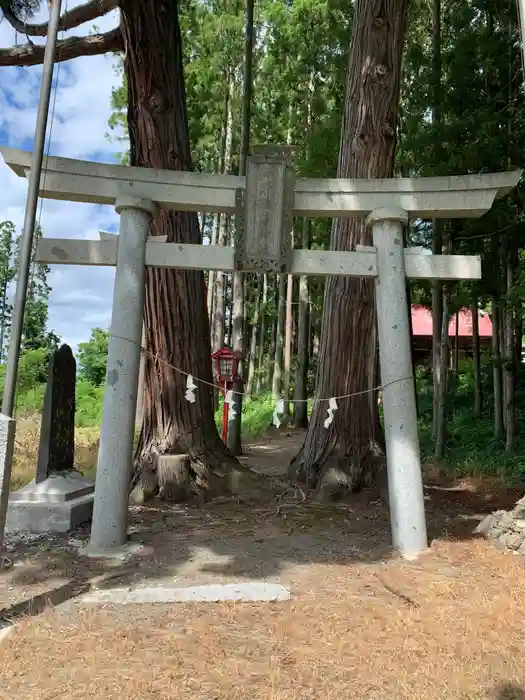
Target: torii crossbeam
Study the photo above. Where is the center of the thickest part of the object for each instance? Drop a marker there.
(264, 203)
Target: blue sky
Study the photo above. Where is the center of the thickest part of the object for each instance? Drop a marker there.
(81, 297)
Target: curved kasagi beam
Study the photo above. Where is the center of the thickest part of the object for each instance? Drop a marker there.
(458, 196)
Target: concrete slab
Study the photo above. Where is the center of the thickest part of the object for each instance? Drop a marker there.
(247, 591)
(58, 504)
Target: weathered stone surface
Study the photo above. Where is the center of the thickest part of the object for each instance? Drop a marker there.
(485, 525)
(60, 503)
(512, 540)
(506, 528)
(250, 591)
(56, 452)
(506, 520)
(173, 473)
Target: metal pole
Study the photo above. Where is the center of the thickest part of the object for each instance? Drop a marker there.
(26, 248)
(7, 425)
(225, 409)
(405, 482)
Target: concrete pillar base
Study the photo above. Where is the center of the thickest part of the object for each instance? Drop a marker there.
(60, 503)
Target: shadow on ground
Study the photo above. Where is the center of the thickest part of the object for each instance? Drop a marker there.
(228, 539)
(509, 691)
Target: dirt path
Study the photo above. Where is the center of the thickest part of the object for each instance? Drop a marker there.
(361, 622)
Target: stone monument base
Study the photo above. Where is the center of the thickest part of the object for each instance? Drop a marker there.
(58, 504)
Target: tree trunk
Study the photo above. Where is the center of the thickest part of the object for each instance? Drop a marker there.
(518, 342)
(211, 273)
(288, 333)
(476, 355)
(508, 364)
(347, 455)
(262, 336)
(279, 340)
(238, 285)
(300, 413)
(142, 378)
(496, 370)
(219, 294)
(273, 338)
(176, 318)
(442, 380)
(252, 358)
(437, 224)
(456, 348)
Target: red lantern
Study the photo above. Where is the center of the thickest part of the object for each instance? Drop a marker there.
(226, 365)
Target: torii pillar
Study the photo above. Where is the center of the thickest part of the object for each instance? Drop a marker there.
(264, 204)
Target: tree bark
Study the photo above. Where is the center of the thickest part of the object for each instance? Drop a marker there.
(518, 342)
(238, 311)
(437, 224)
(347, 456)
(252, 357)
(279, 340)
(273, 337)
(220, 278)
(288, 333)
(262, 335)
(176, 319)
(456, 348)
(442, 379)
(508, 365)
(72, 47)
(70, 19)
(212, 273)
(300, 414)
(476, 355)
(496, 370)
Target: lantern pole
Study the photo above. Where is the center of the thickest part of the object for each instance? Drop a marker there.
(225, 411)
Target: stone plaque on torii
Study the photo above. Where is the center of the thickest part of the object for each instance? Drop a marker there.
(264, 203)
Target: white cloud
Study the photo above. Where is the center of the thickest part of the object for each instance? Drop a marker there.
(80, 108)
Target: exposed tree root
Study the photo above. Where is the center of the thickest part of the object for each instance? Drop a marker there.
(337, 477)
(182, 477)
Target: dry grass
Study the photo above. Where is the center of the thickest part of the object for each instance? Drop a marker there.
(360, 625)
(450, 628)
(26, 450)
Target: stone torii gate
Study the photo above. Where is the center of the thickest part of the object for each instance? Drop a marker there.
(264, 204)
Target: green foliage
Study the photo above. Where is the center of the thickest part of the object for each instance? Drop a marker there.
(7, 274)
(93, 357)
(89, 404)
(257, 415)
(35, 333)
(32, 370)
(471, 446)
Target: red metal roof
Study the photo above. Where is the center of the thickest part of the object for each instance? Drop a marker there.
(422, 322)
